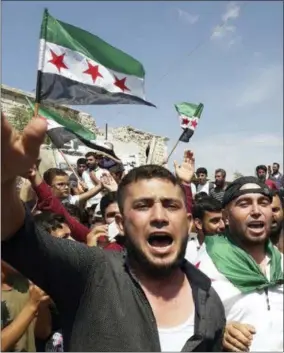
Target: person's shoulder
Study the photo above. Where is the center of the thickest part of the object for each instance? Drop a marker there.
(101, 171)
(85, 173)
(215, 306)
(72, 177)
(73, 199)
(115, 260)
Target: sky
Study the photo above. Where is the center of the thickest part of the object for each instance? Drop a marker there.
(227, 55)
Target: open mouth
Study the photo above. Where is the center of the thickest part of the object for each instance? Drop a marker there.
(256, 225)
(160, 240)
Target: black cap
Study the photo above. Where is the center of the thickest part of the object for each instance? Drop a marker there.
(234, 189)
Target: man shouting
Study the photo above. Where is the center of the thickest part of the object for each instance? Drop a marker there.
(147, 299)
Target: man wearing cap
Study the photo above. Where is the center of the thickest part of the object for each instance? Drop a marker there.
(246, 269)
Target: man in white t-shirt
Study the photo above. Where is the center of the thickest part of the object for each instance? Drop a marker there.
(203, 184)
(246, 269)
(92, 176)
(208, 220)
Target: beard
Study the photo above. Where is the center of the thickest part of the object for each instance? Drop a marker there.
(262, 178)
(137, 258)
(275, 232)
(238, 235)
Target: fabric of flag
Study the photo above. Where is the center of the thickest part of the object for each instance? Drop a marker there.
(61, 130)
(189, 115)
(78, 68)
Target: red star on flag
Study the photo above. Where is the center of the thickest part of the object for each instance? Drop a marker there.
(121, 84)
(57, 60)
(184, 121)
(93, 70)
(193, 123)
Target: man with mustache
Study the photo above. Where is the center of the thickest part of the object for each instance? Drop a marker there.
(246, 269)
(277, 219)
(147, 299)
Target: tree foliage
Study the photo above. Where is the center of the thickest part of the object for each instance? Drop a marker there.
(21, 115)
(237, 175)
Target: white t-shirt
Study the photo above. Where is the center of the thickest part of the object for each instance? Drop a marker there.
(173, 339)
(192, 248)
(203, 188)
(90, 185)
(193, 189)
(72, 199)
(249, 308)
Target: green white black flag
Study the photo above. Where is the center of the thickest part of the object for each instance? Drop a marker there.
(61, 130)
(189, 114)
(78, 68)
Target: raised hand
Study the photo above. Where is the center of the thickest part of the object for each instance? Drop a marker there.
(109, 183)
(186, 169)
(19, 152)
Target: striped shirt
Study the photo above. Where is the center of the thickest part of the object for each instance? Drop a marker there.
(218, 193)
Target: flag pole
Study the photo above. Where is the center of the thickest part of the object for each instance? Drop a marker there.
(69, 165)
(106, 132)
(173, 149)
(40, 62)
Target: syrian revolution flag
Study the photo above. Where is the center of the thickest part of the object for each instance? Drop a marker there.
(61, 130)
(189, 115)
(78, 68)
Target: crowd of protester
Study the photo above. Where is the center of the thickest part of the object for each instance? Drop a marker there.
(59, 296)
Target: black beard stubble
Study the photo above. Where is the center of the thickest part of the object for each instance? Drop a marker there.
(237, 234)
(138, 259)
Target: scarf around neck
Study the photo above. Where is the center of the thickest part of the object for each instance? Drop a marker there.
(240, 268)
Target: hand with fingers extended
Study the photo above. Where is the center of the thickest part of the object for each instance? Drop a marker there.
(238, 337)
(19, 151)
(186, 169)
(109, 183)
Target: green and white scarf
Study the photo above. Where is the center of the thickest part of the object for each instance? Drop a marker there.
(240, 268)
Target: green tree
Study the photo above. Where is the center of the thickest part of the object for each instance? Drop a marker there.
(20, 116)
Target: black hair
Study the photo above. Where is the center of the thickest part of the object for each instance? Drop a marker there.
(201, 171)
(144, 172)
(261, 167)
(49, 221)
(117, 168)
(51, 173)
(91, 154)
(278, 165)
(200, 196)
(74, 211)
(280, 194)
(81, 161)
(206, 204)
(107, 200)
